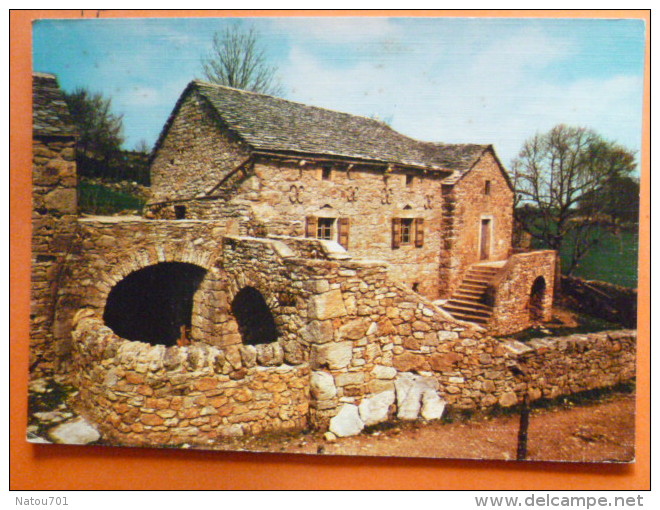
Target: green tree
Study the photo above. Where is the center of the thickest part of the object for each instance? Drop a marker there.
(238, 60)
(620, 200)
(557, 175)
(100, 130)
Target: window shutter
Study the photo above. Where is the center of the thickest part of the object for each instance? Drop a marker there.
(419, 232)
(344, 224)
(310, 226)
(396, 233)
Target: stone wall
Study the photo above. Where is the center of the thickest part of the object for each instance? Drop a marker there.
(467, 203)
(105, 250)
(479, 373)
(277, 198)
(605, 300)
(353, 345)
(559, 366)
(53, 224)
(512, 292)
(145, 395)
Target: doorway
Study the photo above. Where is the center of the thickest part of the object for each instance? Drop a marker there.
(485, 237)
(536, 298)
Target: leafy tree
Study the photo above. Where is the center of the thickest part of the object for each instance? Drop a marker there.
(100, 130)
(560, 177)
(238, 60)
(620, 200)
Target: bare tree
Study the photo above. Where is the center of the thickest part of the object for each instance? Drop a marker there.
(557, 175)
(238, 60)
(142, 146)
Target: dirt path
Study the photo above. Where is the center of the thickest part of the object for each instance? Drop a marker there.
(601, 431)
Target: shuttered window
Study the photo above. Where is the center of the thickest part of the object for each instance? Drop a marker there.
(310, 226)
(328, 228)
(407, 231)
(419, 232)
(396, 233)
(344, 225)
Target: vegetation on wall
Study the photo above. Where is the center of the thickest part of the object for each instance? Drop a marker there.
(102, 200)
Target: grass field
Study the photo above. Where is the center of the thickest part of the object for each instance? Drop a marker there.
(613, 259)
(97, 199)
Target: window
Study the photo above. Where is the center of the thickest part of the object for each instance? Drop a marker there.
(331, 229)
(325, 228)
(326, 173)
(407, 231)
(487, 188)
(180, 212)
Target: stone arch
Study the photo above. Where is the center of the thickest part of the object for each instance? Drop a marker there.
(119, 269)
(150, 256)
(256, 323)
(537, 296)
(155, 304)
(239, 279)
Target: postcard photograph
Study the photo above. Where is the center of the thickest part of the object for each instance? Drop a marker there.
(374, 236)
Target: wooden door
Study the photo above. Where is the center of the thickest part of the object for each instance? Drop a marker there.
(484, 252)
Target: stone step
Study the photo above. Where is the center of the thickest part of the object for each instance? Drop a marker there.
(474, 283)
(484, 270)
(468, 294)
(469, 318)
(469, 303)
(467, 310)
(480, 275)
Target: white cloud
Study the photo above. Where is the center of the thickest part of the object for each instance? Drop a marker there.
(348, 30)
(498, 92)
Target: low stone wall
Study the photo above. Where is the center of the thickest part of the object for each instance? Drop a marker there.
(480, 373)
(139, 394)
(559, 366)
(601, 299)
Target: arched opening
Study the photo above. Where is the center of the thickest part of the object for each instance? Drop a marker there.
(536, 298)
(154, 304)
(255, 321)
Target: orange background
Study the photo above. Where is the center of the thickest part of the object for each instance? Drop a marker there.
(59, 467)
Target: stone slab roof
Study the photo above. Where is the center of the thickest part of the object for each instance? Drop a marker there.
(272, 124)
(50, 114)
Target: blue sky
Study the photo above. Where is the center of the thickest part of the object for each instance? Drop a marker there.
(454, 80)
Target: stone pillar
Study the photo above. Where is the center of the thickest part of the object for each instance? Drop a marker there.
(53, 231)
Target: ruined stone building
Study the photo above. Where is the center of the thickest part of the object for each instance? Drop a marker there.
(297, 267)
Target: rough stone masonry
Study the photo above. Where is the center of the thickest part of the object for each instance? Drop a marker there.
(280, 225)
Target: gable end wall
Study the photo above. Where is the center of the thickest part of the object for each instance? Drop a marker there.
(195, 154)
(466, 205)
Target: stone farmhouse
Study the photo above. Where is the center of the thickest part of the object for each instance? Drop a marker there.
(441, 215)
(297, 268)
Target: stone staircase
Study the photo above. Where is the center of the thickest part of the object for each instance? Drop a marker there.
(468, 302)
